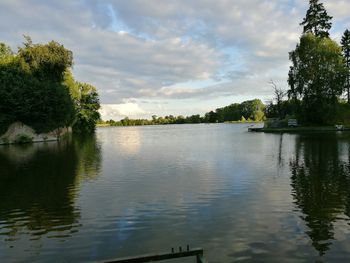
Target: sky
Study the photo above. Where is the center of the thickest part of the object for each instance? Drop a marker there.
(170, 57)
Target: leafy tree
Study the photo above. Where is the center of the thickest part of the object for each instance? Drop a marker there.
(345, 43)
(5, 51)
(317, 21)
(252, 109)
(285, 110)
(211, 117)
(87, 106)
(38, 89)
(47, 62)
(42, 104)
(318, 76)
(194, 119)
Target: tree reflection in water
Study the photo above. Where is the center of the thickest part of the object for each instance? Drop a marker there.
(38, 185)
(321, 184)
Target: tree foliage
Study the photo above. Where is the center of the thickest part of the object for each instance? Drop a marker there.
(43, 104)
(317, 21)
(345, 43)
(5, 51)
(47, 62)
(38, 89)
(87, 106)
(317, 76)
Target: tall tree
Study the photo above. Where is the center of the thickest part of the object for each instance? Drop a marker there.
(318, 76)
(345, 43)
(317, 21)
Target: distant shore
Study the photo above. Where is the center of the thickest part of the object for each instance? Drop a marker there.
(101, 125)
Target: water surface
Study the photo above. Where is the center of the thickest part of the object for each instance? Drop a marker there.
(243, 197)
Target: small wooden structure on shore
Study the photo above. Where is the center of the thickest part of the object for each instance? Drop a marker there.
(196, 252)
(292, 123)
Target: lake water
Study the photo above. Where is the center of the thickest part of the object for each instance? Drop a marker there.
(243, 197)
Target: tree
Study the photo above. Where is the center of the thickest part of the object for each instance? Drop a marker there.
(286, 108)
(42, 103)
(87, 107)
(211, 117)
(38, 89)
(252, 109)
(279, 95)
(317, 21)
(318, 75)
(5, 51)
(345, 43)
(47, 62)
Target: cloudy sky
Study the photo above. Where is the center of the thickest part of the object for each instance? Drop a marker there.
(169, 56)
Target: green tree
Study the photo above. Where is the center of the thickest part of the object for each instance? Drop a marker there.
(252, 109)
(38, 89)
(42, 103)
(47, 62)
(318, 76)
(5, 51)
(87, 106)
(211, 117)
(194, 119)
(345, 43)
(317, 21)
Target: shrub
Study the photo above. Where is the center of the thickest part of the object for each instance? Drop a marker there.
(5, 140)
(23, 138)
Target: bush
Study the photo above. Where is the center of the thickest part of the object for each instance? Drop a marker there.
(5, 140)
(23, 138)
(343, 114)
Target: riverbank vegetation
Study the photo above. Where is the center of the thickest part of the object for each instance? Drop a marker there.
(38, 89)
(247, 111)
(318, 77)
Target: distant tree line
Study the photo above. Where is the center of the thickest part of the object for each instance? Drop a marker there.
(319, 77)
(252, 110)
(37, 88)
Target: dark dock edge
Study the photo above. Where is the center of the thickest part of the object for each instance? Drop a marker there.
(195, 252)
(298, 130)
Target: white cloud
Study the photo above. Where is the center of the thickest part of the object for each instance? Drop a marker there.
(120, 111)
(144, 49)
(339, 9)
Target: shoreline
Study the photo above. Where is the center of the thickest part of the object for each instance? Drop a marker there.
(299, 129)
(226, 122)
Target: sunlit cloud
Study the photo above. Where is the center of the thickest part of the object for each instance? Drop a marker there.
(148, 49)
(119, 111)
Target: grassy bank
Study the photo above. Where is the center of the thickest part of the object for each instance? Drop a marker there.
(246, 121)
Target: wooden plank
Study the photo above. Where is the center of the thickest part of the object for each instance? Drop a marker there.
(198, 252)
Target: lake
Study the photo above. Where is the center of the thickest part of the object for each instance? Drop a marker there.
(243, 197)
